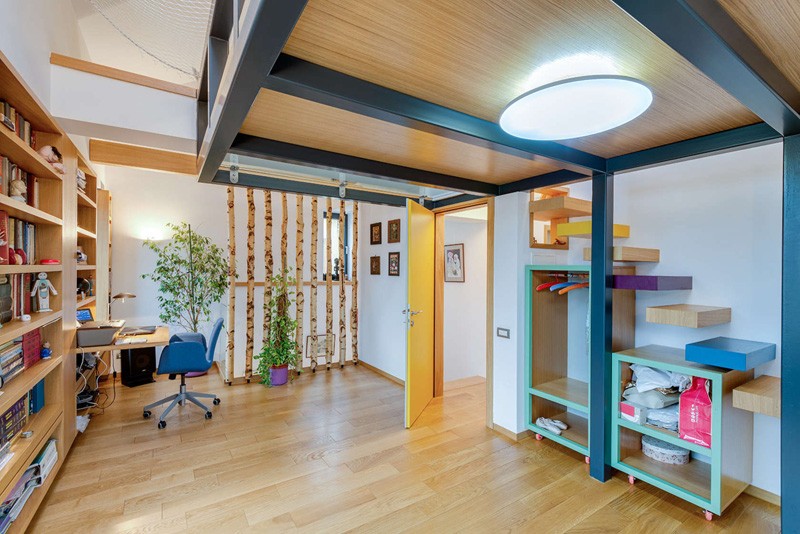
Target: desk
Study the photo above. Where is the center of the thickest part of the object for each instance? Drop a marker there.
(138, 359)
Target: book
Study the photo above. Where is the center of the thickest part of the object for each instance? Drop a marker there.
(3, 238)
(31, 347)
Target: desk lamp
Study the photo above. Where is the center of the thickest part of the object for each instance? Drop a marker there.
(119, 297)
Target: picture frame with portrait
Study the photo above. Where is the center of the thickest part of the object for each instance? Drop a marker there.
(375, 265)
(394, 264)
(375, 233)
(454, 262)
(393, 231)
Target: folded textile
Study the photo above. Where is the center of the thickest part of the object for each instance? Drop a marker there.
(650, 399)
(648, 378)
(666, 418)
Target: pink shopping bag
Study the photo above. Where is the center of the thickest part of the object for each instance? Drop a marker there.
(695, 413)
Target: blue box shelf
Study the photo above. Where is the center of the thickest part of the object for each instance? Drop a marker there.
(730, 353)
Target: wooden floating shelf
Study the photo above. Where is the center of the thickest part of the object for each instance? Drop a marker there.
(21, 269)
(584, 229)
(24, 156)
(629, 254)
(86, 233)
(567, 391)
(652, 283)
(85, 302)
(688, 315)
(762, 395)
(20, 210)
(563, 207)
(85, 201)
(23, 382)
(17, 328)
(83, 267)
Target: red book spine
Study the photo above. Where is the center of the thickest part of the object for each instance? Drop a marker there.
(4, 238)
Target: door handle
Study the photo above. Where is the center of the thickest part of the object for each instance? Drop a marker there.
(412, 313)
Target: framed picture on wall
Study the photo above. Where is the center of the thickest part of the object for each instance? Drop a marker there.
(454, 262)
(393, 228)
(375, 232)
(375, 265)
(394, 264)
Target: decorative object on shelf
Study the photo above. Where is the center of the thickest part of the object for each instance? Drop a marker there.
(47, 352)
(393, 228)
(454, 262)
(280, 351)
(18, 190)
(83, 288)
(52, 156)
(80, 256)
(730, 353)
(188, 254)
(394, 264)
(42, 287)
(695, 413)
(375, 233)
(375, 265)
(49, 261)
(664, 452)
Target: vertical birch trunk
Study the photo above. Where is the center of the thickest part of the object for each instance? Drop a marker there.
(251, 265)
(328, 288)
(231, 285)
(354, 293)
(342, 296)
(314, 274)
(299, 295)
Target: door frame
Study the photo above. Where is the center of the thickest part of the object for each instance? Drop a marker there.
(438, 299)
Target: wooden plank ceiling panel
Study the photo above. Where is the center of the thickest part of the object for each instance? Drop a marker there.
(477, 55)
(301, 122)
(774, 26)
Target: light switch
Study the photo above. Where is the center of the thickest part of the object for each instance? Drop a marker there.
(504, 332)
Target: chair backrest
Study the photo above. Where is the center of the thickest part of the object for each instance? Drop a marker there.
(212, 341)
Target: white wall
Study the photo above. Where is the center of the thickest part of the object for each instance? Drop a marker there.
(465, 303)
(31, 30)
(382, 298)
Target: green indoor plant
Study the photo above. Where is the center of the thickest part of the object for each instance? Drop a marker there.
(191, 273)
(280, 349)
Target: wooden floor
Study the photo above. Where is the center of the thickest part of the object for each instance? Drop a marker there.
(328, 454)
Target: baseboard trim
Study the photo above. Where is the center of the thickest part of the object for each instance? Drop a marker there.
(763, 494)
(514, 436)
(381, 372)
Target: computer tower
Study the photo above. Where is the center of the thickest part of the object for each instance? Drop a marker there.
(138, 366)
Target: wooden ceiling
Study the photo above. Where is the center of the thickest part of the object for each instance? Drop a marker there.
(301, 122)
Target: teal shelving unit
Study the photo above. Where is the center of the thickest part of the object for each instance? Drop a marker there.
(550, 390)
(715, 476)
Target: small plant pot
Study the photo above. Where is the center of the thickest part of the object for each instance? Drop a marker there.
(279, 375)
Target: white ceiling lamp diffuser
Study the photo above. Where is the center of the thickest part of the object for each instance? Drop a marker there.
(575, 106)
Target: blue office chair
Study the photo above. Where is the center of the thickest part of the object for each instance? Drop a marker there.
(186, 353)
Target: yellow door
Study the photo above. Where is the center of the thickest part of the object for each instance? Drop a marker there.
(419, 311)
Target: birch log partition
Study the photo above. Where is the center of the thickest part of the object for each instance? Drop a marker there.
(251, 275)
(299, 296)
(354, 279)
(231, 285)
(284, 233)
(328, 287)
(314, 274)
(342, 297)
(267, 265)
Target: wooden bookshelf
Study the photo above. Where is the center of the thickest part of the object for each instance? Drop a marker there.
(26, 157)
(86, 302)
(17, 327)
(20, 210)
(85, 201)
(23, 383)
(85, 267)
(86, 233)
(22, 269)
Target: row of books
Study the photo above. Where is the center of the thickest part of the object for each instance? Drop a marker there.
(17, 241)
(15, 122)
(33, 477)
(15, 418)
(12, 180)
(81, 177)
(12, 362)
(15, 296)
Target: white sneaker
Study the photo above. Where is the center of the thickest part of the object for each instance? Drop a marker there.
(559, 424)
(548, 425)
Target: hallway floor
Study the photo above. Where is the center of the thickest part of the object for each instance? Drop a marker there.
(328, 453)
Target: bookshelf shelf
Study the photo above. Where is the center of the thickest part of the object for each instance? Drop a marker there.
(22, 211)
(83, 267)
(22, 269)
(17, 328)
(85, 302)
(85, 201)
(25, 450)
(31, 376)
(24, 156)
(86, 233)
(35, 500)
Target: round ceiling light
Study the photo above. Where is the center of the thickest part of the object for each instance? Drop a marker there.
(576, 107)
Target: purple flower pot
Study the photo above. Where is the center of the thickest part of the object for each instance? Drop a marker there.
(278, 376)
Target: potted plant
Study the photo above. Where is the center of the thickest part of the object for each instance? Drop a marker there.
(280, 350)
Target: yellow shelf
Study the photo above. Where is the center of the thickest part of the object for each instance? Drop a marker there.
(21, 269)
(20, 210)
(17, 328)
(85, 201)
(584, 229)
(86, 233)
(560, 208)
(24, 156)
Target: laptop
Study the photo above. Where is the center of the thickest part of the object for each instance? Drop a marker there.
(84, 315)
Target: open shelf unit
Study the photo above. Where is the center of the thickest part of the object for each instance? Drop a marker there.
(555, 374)
(688, 315)
(715, 476)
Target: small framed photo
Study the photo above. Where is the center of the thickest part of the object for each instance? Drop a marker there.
(394, 264)
(393, 228)
(454, 262)
(375, 233)
(375, 265)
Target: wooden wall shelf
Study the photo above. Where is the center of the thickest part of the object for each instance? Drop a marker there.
(86, 233)
(583, 229)
(20, 269)
(548, 209)
(22, 211)
(629, 254)
(85, 201)
(652, 283)
(688, 315)
(26, 157)
(17, 328)
(762, 395)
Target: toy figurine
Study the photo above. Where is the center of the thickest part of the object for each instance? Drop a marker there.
(47, 352)
(43, 287)
(18, 190)
(53, 157)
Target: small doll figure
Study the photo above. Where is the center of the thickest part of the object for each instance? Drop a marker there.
(47, 352)
(53, 157)
(43, 287)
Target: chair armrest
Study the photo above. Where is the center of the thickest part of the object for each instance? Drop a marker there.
(183, 357)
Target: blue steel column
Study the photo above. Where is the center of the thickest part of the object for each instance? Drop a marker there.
(790, 338)
(600, 297)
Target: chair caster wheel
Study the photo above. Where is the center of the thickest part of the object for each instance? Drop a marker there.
(216, 402)
(146, 414)
(586, 459)
(631, 479)
(314, 370)
(209, 415)
(539, 437)
(709, 515)
(162, 424)
(355, 363)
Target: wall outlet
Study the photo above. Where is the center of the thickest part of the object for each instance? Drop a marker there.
(504, 332)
